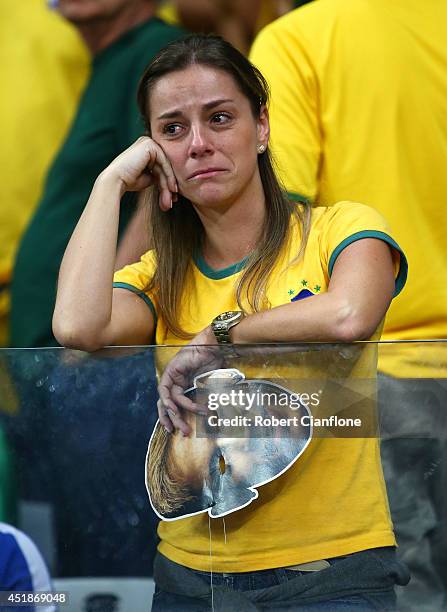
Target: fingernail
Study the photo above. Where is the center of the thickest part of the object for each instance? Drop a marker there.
(167, 429)
(171, 412)
(171, 201)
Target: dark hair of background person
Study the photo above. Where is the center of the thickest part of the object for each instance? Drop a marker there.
(177, 235)
(238, 22)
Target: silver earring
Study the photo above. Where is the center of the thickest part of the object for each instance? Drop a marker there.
(261, 148)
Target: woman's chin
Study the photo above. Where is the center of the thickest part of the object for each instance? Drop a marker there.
(210, 196)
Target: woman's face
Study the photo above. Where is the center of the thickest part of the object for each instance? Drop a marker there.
(206, 127)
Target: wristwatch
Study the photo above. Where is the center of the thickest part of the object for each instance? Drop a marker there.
(222, 324)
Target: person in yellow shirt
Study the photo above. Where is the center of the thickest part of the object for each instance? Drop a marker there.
(226, 238)
(43, 73)
(358, 112)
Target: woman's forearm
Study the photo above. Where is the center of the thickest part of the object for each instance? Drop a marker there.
(135, 239)
(84, 295)
(322, 318)
(83, 316)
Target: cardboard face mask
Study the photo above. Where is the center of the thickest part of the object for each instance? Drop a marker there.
(253, 432)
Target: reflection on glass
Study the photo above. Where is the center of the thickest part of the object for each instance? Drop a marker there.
(75, 430)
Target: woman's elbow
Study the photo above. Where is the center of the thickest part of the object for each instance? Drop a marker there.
(352, 325)
(74, 337)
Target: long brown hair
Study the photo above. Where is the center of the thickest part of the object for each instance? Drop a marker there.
(178, 234)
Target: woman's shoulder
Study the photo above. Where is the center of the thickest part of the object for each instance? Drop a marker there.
(348, 213)
(149, 258)
(139, 273)
(343, 208)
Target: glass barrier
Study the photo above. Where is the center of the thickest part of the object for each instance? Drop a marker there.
(302, 422)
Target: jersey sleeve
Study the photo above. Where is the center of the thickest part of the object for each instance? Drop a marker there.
(347, 222)
(136, 278)
(279, 52)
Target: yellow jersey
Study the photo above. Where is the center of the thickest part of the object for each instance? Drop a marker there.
(332, 501)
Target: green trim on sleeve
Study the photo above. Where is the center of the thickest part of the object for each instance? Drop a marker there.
(218, 274)
(297, 197)
(403, 268)
(141, 294)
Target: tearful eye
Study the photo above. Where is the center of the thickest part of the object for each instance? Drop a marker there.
(172, 129)
(220, 118)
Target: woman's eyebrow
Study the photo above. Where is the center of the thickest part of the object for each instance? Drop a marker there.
(213, 103)
(208, 106)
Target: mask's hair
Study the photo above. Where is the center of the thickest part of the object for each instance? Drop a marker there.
(167, 489)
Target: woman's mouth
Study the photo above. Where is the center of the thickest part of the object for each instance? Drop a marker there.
(205, 173)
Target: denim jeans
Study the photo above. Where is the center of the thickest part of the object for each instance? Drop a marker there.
(363, 581)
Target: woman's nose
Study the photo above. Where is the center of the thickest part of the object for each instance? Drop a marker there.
(200, 143)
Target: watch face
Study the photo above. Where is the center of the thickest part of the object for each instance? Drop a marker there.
(227, 316)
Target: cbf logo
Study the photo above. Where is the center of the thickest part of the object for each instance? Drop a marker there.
(306, 290)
